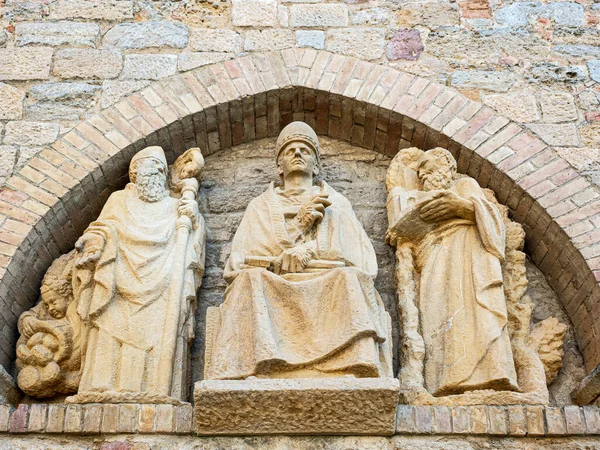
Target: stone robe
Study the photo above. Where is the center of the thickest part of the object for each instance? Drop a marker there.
(462, 304)
(325, 323)
(127, 295)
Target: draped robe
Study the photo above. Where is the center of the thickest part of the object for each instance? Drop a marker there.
(126, 297)
(327, 323)
(462, 304)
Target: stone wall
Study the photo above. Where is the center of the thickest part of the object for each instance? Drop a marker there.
(535, 62)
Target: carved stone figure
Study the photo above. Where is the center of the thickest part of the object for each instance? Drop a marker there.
(461, 284)
(138, 268)
(48, 351)
(301, 302)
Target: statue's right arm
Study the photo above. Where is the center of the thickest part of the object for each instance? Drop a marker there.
(90, 247)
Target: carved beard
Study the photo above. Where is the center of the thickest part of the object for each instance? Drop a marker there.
(441, 179)
(150, 186)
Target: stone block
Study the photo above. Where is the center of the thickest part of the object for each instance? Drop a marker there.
(109, 10)
(11, 103)
(442, 419)
(211, 40)
(363, 43)
(147, 35)
(4, 418)
(183, 419)
(310, 38)
(405, 44)
(254, 13)
(324, 15)
(296, 406)
(113, 91)
(165, 418)
(589, 51)
(67, 101)
(558, 107)
(594, 68)
(574, 420)
(405, 419)
(371, 16)
(18, 419)
(565, 14)
(30, 133)
(149, 67)
(498, 424)
(592, 419)
(535, 420)
(3, 38)
(37, 418)
(489, 80)
(56, 418)
(128, 418)
(7, 162)
(461, 419)
(57, 33)
(555, 421)
(269, 39)
(92, 418)
(110, 419)
(25, 63)
(189, 61)
(147, 414)
(550, 72)
(519, 106)
(424, 419)
(87, 63)
(561, 135)
(73, 419)
(521, 14)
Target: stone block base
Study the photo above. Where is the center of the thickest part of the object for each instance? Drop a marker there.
(342, 406)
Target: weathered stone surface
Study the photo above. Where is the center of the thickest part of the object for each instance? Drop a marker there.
(553, 72)
(57, 33)
(25, 63)
(300, 406)
(189, 61)
(562, 135)
(269, 39)
(147, 35)
(558, 107)
(149, 67)
(578, 50)
(113, 91)
(210, 40)
(594, 68)
(30, 133)
(8, 388)
(405, 44)
(11, 102)
(371, 16)
(325, 15)
(364, 43)
(481, 79)
(60, 100)
(310, 38)
(518, 106)
(589, 388)
(8, 155)
(88, 64)
(3, 38)
(254, 13)
(521, 14)
(112, 10)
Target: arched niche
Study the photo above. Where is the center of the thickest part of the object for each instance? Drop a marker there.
(50, 202)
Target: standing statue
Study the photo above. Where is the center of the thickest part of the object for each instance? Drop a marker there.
(461, 288)
(49, 348)
(138, 268)
(301, 302)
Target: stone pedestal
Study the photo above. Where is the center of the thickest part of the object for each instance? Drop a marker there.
(352, 406)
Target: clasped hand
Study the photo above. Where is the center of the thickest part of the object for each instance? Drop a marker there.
(189, 207)
(312, 212)
(445, 205)
(293, 260)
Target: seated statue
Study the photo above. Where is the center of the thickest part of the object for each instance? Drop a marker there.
(301, 301)
(48, 351)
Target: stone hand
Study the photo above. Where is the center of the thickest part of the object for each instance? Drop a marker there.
(28, 325)
(90, 246)
(312, 212)
(293, 260)
(189, 207)
(446, 205)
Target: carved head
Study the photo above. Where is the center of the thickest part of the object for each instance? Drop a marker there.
(57, 290)
(148, 171)
(297, 150)
(436, 169)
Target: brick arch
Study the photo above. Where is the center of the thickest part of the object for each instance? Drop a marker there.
(49, 203)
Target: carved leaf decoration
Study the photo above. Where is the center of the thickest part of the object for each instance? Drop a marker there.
(546, 338)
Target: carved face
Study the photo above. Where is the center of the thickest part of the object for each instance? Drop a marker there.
(435, 173)
(151, 180)
(55, 303)
(297, 158)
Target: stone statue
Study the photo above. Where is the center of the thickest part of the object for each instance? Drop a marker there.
(137, 271)
(461, 288)
(48, 351)
(301, 302)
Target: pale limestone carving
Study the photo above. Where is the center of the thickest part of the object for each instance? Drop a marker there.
(301, 302)
(48, 350)
(137, 272)
(461, 289)
(546, 338)
(298, 406)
